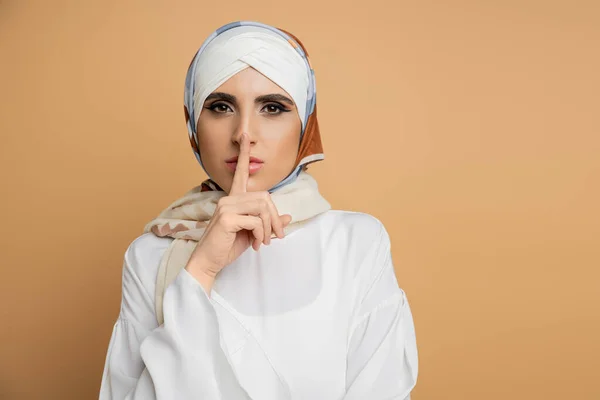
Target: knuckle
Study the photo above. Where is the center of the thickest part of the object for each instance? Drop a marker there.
(264, 204)
(222, 201)
(226, 219)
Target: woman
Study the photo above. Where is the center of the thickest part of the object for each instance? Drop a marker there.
(313, 310)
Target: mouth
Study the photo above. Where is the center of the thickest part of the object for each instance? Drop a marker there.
(253, 167)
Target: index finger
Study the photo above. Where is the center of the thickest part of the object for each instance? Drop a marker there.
(241, 174)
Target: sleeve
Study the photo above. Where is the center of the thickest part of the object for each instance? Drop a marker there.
(181, 359)
(382, 359)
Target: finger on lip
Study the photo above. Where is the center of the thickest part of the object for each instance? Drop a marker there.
(240, 177)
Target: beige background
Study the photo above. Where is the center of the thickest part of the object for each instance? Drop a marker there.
(470, 128)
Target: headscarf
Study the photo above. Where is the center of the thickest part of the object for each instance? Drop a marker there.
(275, 53)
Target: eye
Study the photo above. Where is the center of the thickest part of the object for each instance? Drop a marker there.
(275, 108)
(219, 108)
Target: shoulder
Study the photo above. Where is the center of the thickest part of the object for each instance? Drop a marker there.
(357, 227)
(146, 246)
(142, 259)
(359, 240)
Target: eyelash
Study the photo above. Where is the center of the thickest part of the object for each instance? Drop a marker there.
(279, 107)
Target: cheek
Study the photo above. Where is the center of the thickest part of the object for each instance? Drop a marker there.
(283, 139)
(284, 149)
(213, 141)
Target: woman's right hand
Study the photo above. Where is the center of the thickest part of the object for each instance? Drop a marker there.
(241, 219)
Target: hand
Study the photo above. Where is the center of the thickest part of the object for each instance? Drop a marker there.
(241, 219)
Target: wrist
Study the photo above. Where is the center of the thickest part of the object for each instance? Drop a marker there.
(203, 275)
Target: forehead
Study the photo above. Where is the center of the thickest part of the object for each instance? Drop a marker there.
(249, 82)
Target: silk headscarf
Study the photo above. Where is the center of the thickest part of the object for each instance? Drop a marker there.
(275, 53)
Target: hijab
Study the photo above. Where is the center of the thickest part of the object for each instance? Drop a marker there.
(275, 53)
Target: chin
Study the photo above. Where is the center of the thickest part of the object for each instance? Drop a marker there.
(255, 184)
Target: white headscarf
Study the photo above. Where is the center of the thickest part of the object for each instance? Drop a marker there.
(251, 46)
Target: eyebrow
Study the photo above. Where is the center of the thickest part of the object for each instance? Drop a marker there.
(260, 99)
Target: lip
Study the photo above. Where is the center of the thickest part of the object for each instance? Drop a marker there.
(252, 159)
(253, 167)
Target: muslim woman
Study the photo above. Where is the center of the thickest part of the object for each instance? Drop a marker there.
(250, 286)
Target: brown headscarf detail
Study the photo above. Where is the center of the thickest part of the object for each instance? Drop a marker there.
(311, 141)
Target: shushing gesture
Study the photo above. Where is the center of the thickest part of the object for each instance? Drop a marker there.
(241, 219)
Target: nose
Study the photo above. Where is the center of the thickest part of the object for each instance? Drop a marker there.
(245, 125)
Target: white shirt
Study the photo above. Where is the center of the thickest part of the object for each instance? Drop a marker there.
(316, 315)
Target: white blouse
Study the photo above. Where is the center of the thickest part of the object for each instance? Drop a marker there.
(316, 315)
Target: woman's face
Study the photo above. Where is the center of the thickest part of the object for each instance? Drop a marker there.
(249, 102)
